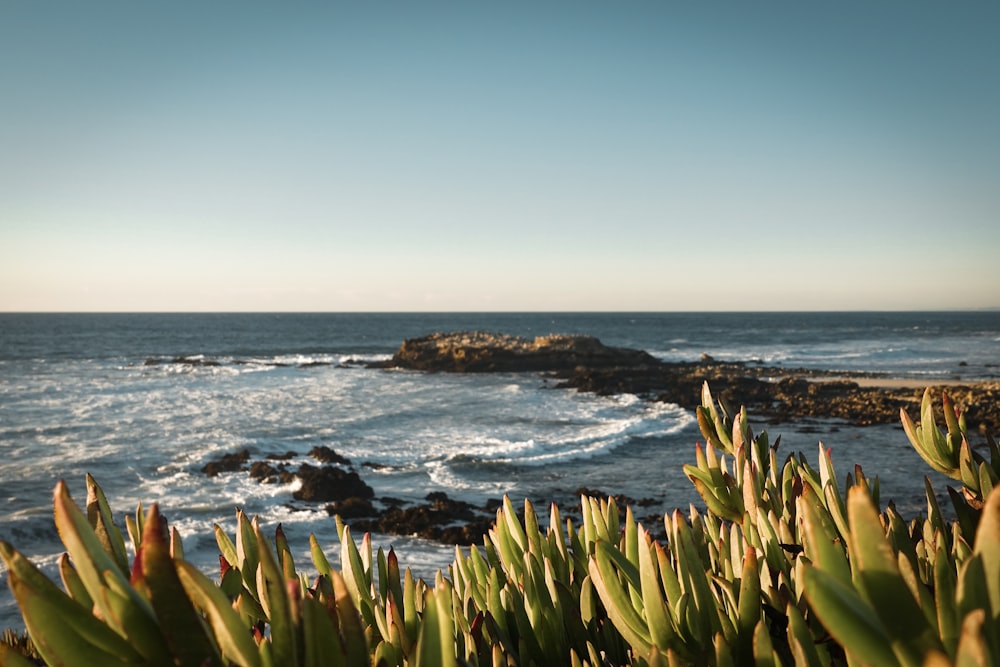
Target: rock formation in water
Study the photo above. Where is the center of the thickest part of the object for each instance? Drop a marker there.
(481, 352)
(773, 393)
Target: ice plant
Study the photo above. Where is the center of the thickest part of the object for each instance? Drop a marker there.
(783, 566)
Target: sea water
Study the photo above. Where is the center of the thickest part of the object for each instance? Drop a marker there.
(144, 401)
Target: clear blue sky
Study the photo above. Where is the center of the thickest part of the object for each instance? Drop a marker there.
(499, 156)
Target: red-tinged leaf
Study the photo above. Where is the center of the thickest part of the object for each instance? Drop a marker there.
(179, 621)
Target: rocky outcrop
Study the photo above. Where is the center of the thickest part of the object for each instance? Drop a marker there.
(782, 395)
(325, 454)
(481, 352)
(440, 519)
(776, 394)
(329, 483)
(227, 463)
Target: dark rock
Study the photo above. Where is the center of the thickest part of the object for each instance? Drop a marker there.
(263, 471)
(228, 463)
(472, 532)
(781, 395)
(255, 362)
(328, 484)
(443, 520)
(268, 474)
(282, 457)
(351, 508)
(492, 505)
(195, 361)
(481, 352)
(771, 393)
(324, 454)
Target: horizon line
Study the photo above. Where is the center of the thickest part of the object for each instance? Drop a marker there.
(495, 312)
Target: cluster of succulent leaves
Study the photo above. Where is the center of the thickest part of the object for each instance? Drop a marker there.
(781, 567)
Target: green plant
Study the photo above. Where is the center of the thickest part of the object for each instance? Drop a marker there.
(950, 453)
(783, 566)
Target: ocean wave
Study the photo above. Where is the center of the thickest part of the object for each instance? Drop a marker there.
(592, 432)
(204, 365)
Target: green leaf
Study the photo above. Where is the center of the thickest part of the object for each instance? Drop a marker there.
(247, 558)
(355, 575)
(692, 571)
(763, 648)
(750, 609)
(58, 642)
(661, 630)
(617, 602)
(323, 647)
(58, 624)
(821, 539)
(279, 606)
(944, 599)
(178, 621)
(353, 633)
(231, 633)
(800, 639)
(972, 648)
(392, 575)
(120, 605)
(109, 535)
(226, 546)
(876, 572)
(436, 646)
(987, 547)
(723, 652)
(318, 557)
(516, 532)
(10, 657)
(72, 583)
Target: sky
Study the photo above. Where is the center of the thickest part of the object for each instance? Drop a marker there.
(491, 156)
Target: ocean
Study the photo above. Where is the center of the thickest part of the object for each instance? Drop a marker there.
(118, 396)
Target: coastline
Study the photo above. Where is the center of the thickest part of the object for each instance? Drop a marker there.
(772, 393)
(892, 382)
(782, 395)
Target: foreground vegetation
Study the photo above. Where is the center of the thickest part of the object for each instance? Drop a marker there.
(784, 566)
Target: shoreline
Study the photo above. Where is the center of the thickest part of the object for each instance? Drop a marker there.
(894, 382)
(772, 393)
(785, 395)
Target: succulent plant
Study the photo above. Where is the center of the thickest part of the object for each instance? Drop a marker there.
(950, 453)
(780, 567)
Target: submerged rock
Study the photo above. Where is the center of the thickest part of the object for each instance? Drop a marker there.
(325, 454)
(482, 352)
(227, 463)
(329, 483)
(267, 474)
(441, 519)
(352, 508)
